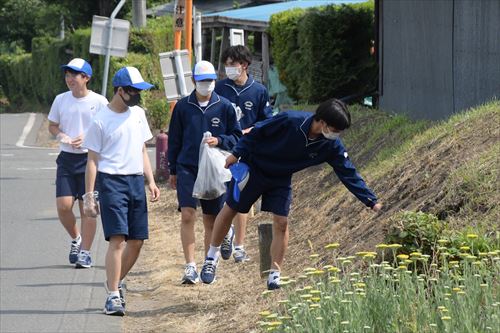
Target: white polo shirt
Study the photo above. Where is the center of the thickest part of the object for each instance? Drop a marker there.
(118, 138)
(74, 115)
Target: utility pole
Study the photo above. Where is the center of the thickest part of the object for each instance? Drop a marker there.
(139, 13)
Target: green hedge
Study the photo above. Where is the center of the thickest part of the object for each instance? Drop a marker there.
(325, 52)
(36, 78)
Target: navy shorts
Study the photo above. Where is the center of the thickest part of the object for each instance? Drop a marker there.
(123, 206)
(276, 193)
(186, 176)
(70, 176)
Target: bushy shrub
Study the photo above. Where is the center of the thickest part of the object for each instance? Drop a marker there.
(325, 52)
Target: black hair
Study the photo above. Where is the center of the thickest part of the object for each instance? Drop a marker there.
(127, 89)
(238, 53)
(334, 113)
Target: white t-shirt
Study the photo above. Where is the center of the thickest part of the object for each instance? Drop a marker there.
(118, 138)
(74, 115)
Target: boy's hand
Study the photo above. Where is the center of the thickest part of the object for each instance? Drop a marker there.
(77, 142)
(154, 192)
(212, 141)
(230, 160)
(90, 204)
(173, 182)
(377, 207)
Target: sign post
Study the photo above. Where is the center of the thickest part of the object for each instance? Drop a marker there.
(109, 37)
(176, 71)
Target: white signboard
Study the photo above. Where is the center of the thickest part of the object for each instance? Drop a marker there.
(236, 37)
(177, 73)
(100, 36)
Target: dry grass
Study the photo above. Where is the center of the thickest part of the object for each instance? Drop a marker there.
(418, 177)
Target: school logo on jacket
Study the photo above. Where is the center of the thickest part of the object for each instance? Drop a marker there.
(248, 105)
(215, 122)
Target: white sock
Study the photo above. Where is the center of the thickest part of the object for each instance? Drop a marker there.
(274, 276)
(114, 294)
(193, 264)
(84, 252)
(78, 239)
(238, 247)
(213, 252)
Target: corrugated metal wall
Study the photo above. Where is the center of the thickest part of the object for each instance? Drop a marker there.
(438, 57)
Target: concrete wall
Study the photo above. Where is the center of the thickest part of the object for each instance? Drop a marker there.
(438, 57)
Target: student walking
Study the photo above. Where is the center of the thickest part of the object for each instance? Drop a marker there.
(273, 151)
(69, 118)
(117, 164)
(251, 102)
(203, 110)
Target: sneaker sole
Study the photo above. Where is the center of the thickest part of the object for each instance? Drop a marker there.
(241, 260)
(114, 313)
(213, 281)
(77, 265)
(189, 282)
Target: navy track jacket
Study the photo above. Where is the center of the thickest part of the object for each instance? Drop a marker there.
(188, 123)
(252, 99)
(279, 147)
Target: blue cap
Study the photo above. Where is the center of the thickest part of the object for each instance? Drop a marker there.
(130, 77)
(204, 70)
(240, 172)
(79, 65)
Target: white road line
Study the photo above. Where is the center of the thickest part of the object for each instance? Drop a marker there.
(26, 130)
(53, 154)
(5, 155)
(43, 168)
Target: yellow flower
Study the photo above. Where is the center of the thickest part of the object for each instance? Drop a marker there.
(316, 299)
(334, 280)
(306, 296)
(309, 269)
(402, 267)
(332, 246)
(381, 246)
(315, 292)
(483, 285)
(333, 269)
(344, 322)
(402, 256)
(265, 313)
(314, 255)
(472, 236)
(319, 318)
(272, 315)
(445, 318)
(415, 254)
(362, 253)
(464, 248)
(394, 246)
(274, 323)
(443, 241)
(283, 301)
(314, 306)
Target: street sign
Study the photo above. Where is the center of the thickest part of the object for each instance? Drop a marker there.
(176, 71)
(99, 38)
(179, 15)
(236, 37)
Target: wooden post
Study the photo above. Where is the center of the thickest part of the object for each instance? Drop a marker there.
(213, 44)
(265, 58)
(265, 239)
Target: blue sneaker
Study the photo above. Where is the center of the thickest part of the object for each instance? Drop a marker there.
(73, 252)
(274, 284)
(190, 275)
(226, 248)
(114, 306)
(207, 273)
(83, 260)
(240, 255)
(121, 290)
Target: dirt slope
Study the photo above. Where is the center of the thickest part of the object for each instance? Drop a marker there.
(420, 177)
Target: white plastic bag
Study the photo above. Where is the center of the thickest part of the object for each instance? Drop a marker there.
(212, 176)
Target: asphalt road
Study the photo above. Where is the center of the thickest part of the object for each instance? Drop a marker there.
(39, 290)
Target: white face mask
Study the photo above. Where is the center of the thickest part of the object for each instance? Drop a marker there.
(233, 72)
(329, 135)
(205, 88)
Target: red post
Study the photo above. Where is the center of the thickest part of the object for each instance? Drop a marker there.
(161, 156)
